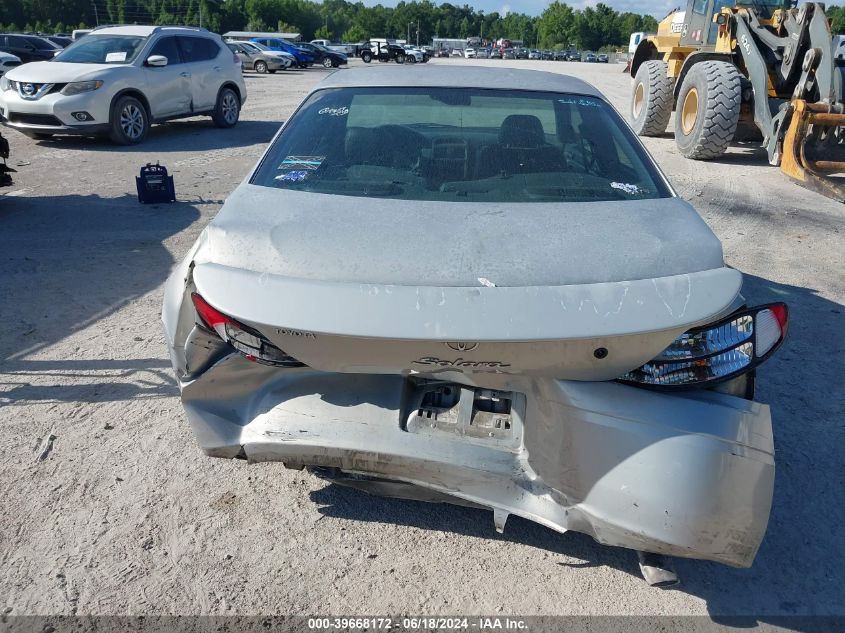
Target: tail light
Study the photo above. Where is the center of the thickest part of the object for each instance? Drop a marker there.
(716, 352)
(248, 341)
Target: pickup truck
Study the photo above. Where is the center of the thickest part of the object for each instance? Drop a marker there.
(346, 49)
(386, 51)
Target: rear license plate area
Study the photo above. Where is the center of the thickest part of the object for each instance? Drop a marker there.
(474, 414)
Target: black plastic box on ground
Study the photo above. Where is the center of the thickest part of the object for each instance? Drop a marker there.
(154, 185)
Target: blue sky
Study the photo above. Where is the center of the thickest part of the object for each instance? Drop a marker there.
(657, 8)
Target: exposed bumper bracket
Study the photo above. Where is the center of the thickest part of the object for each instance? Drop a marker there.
(657, 570)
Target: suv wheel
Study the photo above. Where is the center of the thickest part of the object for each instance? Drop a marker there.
(366, 57)
(261, 67)
(327, 62)
(400, 58)
(129, 122)
(228, 108)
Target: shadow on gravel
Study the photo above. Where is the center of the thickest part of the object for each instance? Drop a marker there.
(91, 380)
(71, 261)
(745, 153)
(196, 135)
(799, 569)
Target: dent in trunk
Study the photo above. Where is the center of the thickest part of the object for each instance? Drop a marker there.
(579, 332)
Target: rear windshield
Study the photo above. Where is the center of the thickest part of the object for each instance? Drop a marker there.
(460, 145)
(103, 49)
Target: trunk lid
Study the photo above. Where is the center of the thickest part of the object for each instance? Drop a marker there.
(578, 291)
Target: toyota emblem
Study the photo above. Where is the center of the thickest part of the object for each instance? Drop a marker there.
(462, 346)
(28, 89)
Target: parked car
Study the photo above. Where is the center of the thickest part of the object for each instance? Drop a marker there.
(573, 56)
(304, 58)
(443, 52)
(383, 52)
(548, 54)
(414, 55)
(327, 58)
(508, 53)
(590, 58)
(60, 41)
(495, 53)
(560, 56)
(255, 57)
(534, 54)
(7, 62)
(119, 80)
(29, 48)
(457, 52)
(469, 53)
(346, 49)
(602, 58)
(604, 385)
(482, 53)
(522, 53)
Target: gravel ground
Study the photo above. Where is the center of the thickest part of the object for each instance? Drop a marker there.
(108, 507)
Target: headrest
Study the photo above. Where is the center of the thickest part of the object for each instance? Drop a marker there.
(521, 130)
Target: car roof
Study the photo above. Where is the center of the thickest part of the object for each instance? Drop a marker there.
(146, 31)
(29, 36)
(458, 77)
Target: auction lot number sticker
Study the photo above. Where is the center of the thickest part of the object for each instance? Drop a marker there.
(420, 623)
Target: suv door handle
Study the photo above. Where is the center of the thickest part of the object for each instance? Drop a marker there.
(184, 74)
(217, 68)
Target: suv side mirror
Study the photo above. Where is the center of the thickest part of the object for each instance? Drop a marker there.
(157, 61)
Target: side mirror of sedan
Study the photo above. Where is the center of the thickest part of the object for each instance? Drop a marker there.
(157, 61)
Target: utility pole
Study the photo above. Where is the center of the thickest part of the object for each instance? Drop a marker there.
(96, 15)
(418, 33)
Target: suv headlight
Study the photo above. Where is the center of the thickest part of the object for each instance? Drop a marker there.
(78, 87)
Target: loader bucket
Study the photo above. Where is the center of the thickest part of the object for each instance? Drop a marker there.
(814, 149)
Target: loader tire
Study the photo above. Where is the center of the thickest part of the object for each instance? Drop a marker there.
(707, 110)
(651, 99)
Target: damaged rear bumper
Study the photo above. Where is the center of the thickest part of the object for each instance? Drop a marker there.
(683, 475)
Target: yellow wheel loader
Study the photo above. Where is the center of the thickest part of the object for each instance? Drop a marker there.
(729, 69)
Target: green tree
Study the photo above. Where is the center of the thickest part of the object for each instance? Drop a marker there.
(556, 25)
(355, 34)
(837, 19)
(322, 33)
(465, 27)
(284, 27)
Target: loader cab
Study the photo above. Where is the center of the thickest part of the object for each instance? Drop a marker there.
(699, 29)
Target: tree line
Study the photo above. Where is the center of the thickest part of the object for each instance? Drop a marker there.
(559, 26)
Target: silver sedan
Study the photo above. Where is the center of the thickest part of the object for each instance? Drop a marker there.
(262, 60)
(474, 285)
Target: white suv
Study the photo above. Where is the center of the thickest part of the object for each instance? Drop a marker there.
(119, 80)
